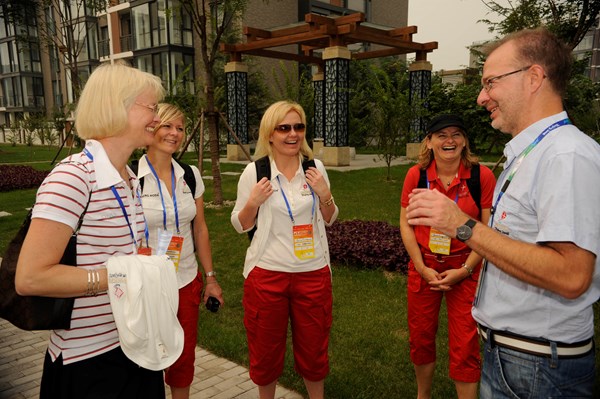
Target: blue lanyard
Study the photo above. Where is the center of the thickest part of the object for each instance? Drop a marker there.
(120, 201)
(162, 199)
(287, 204)
(118, 197)
(520, 159)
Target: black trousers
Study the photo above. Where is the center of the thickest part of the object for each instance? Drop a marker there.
(108, 376)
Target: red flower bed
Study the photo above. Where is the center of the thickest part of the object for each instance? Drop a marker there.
(368, 244)
(19, 177)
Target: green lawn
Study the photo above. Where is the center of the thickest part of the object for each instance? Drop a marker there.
(369, 338)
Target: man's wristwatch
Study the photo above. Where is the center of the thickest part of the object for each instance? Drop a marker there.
(211, 274)
(464, 232)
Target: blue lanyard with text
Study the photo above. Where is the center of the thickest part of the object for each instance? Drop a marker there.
(520, 159)
(312, 215)
(162, 199)
(120, 201)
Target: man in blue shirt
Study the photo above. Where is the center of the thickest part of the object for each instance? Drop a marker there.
(542, 274)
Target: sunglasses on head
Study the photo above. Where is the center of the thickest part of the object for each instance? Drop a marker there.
(286, 127)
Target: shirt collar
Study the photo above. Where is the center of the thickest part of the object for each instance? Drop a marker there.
(275, 172)
(463, 172)
(106, 174)
(144, 168)
(518, 143)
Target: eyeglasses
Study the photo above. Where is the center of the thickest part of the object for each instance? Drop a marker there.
(489, 82)
(286, 127)
(153, 108)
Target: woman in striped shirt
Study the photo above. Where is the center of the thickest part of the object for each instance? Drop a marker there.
(116, 114)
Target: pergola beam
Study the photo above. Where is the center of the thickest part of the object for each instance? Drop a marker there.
(318, 32)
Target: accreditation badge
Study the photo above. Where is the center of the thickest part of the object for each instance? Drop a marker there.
(174, 250)
(304, 243)
(439, 243)
(147, 251)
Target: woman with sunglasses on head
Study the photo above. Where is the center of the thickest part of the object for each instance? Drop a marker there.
(175, 217)
(441, 267)
(287, 267)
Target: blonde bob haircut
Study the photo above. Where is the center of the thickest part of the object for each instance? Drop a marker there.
(111, 90)
(273, 117)
(169, 113)
(426, 155)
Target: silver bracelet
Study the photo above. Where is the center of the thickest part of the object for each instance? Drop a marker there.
(469, 270)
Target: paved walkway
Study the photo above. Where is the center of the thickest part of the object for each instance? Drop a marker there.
(22, 357)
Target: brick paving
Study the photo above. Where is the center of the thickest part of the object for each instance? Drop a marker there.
(22, 357)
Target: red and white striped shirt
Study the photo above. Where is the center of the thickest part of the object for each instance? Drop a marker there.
(62, 197)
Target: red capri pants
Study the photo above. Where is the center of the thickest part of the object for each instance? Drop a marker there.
(423, 313)
(181, 373)
(270, 300)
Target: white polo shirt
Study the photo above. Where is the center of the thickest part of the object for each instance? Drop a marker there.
(272, 247)
(186, 210)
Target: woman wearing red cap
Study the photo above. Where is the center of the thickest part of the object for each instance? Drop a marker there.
(441, 266)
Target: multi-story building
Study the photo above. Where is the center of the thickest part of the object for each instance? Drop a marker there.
(589, 48)
(153, 35)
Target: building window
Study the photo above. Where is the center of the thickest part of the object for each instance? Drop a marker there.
(11, 90)
(33, 91)
(144, 63)
(159, 22)
(8, 57)
(141, 27)
(160, 63)
(180, 29)
(29, 57)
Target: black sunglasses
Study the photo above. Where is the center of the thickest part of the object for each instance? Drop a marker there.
(286, 127)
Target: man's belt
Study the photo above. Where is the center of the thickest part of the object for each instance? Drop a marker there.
(535, 346)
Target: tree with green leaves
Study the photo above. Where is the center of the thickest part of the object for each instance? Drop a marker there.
(390, 109)
(213, 22)
(568, 19)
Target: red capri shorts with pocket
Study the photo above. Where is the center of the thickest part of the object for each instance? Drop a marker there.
(271, 299)
(423, 313)
(181, 373)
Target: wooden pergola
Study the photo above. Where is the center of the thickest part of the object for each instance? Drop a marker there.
(324, 42)
(318, 32)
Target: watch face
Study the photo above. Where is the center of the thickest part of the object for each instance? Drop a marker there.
(463, 233)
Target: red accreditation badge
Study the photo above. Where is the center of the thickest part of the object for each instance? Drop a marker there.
(304, 243)
(147, 251)
(174, 250)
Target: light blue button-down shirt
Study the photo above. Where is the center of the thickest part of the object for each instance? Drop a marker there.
(553, 197)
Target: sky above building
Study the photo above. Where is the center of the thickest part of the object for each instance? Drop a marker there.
(453, 24)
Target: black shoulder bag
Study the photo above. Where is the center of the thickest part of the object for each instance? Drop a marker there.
(34, 312)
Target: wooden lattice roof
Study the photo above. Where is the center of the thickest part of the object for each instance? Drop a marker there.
(318, 32)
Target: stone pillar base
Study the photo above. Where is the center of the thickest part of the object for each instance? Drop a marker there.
(235, 152)
(318, 148)
(336, 156)
(412, 151)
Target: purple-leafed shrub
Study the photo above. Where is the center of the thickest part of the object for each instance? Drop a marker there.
(367, 244)
(19, 177)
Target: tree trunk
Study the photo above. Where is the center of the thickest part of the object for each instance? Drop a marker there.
(213, 138)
